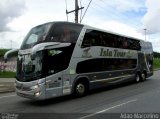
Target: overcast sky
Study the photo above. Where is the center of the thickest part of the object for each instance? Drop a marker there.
(129, 17)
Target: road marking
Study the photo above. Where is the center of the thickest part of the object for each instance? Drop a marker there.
(116, 106)
(7, 96)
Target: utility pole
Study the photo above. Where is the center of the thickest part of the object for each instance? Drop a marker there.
(11, 44)
(76, 11)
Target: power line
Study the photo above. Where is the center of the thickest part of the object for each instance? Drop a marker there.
(99, 7)
(85, 11)
(113, 14)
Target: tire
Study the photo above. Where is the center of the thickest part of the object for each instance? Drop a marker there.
(137, 78)
(80, 89)
(143, 76)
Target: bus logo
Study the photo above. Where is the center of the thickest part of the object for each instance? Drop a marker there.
(86, 52)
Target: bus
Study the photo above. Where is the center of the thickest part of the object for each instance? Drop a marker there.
(63, 58)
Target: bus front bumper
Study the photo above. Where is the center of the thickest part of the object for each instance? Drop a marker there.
(36, 92)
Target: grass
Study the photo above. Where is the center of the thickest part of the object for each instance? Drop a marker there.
(7, 74)
(156, 63)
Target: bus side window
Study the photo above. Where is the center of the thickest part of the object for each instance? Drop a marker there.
(86, 41)
(125, 44)
(110, 40)
(102, 39)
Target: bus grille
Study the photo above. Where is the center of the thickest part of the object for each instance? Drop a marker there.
(23, 88)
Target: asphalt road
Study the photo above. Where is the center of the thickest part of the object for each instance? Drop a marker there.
(119, 101)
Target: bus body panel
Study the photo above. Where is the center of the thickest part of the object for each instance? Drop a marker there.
(54, 85)
(116, 65)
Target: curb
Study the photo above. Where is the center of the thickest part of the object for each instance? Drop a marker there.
(6, 87)
(156, 69)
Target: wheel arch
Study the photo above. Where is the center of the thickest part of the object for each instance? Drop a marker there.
(80, 78)
(145, 72)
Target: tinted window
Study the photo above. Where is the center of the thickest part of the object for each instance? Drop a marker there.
(98, 65)
(52, 32)
(98, 38)
(65, 32)
(91, 38)
(36, 35)
(134, 44)
(56, 60)
(29, 69)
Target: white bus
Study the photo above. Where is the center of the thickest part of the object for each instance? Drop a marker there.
(62, 58)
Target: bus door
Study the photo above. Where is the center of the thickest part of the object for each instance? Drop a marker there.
(53, 67)
(66, 84)
(54, 85)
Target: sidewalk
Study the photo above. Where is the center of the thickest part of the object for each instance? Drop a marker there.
(156, 69)
(7, 85)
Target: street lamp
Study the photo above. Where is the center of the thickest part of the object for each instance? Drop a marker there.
(11, 44)
(145, 33)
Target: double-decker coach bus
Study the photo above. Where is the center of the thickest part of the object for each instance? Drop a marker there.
(62, 58)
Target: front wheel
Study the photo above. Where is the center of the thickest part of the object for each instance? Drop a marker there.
(143, 76)
(80, 89)
(137, 78)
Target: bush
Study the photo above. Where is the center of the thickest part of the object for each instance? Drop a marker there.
(7, 74)
(156, 63)
(3, 51)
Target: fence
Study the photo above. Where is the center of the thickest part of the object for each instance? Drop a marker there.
(9, 66)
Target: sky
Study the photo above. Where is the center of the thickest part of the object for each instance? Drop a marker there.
(127, 17)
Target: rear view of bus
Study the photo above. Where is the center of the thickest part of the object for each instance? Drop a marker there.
(44, 54)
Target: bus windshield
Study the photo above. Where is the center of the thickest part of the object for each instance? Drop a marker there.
(52, 32)
(66, 33)
(29, 69)
(36, 35)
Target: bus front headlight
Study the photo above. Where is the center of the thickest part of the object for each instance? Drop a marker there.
(37, 94)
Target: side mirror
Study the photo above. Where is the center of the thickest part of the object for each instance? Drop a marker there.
(8, 53)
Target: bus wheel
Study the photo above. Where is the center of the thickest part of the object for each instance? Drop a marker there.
(137, 78)
(143, 76)
(80, 89)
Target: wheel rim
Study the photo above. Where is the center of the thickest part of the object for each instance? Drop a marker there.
(80, 88)
(143, 77)
(137, 78)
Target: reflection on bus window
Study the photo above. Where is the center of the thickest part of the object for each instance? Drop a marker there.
(36, 35)
(57, 59)
(98, 65)
(109, 40)
(65, 33)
